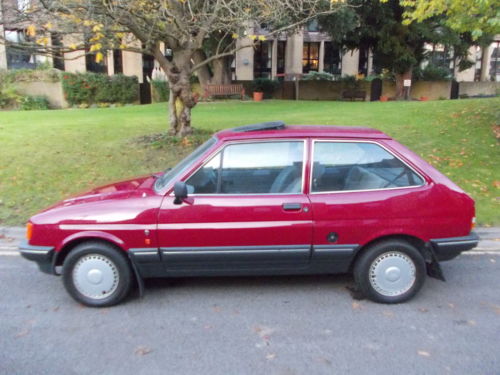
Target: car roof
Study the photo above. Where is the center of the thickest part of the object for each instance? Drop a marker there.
(278, 129)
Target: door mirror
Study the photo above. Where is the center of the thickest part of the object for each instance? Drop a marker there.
(180, 192)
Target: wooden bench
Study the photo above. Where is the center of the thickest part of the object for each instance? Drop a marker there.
(354, 94)
(224, 90)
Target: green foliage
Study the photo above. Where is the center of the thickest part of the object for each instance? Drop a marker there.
(479, 17)
(432, 73)
(161, 91)
(32, 103)
(318, 76)
(31, 75)
(265, 85)
(89, 88)
(9, 98)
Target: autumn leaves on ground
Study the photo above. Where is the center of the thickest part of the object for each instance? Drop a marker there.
(46, 156)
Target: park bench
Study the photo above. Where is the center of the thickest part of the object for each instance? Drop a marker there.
(353, 94)
(224, 90)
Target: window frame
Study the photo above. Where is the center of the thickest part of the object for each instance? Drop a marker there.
(221, 149)
(311, 161)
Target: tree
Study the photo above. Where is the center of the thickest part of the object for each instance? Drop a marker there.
(184, 26)
(478, 17)
(398, 46)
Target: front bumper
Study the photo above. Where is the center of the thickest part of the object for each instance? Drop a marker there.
(42, 255)
(449, 248)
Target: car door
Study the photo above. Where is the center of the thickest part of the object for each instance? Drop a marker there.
(246, 212)
(358, 190)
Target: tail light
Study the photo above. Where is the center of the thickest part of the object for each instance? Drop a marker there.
(473, 223)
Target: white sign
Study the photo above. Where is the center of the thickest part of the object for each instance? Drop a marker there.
(407, 83)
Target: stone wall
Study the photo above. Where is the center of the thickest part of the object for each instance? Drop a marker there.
(53, 91)
(471, 89)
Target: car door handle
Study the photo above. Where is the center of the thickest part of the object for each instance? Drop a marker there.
(292, 206)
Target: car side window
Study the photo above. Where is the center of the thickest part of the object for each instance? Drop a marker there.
(205, 179)
(347, 166)
(252, 168)
(262, 168)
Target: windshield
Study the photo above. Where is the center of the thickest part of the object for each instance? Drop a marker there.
(184, 164)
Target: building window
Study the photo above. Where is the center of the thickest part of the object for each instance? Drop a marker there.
(57, 55)
(280, 64)
(310, 57)
(117, 61)
(17, 57)
(262, 59)
(313, 26)
(333, 59)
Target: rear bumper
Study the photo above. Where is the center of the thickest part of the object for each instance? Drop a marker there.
(42, 255)
(449, 248)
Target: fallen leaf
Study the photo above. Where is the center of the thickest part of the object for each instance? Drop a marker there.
(271, 356)
(451, 305)
(389, 314)
(356, 306)
(142, 350)
(423, 353)
(471, 322)
(24, 332)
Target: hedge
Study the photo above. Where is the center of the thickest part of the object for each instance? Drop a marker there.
(90, 88)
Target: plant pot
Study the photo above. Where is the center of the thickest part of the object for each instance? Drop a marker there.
(384, 98)
(257, 96)
(424, 98)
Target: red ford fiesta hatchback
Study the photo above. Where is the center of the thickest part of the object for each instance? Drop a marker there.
(257, 200)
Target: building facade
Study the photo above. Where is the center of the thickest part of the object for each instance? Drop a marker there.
(285, 57)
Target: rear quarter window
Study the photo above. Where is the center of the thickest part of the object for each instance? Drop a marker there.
(351, 166)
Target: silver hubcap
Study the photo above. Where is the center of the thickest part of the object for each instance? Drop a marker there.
(95, 276)
(392, 273)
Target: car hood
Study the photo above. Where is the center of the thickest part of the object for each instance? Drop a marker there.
(115, 190)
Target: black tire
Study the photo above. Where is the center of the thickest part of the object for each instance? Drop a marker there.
(99, 259)
(407, 269)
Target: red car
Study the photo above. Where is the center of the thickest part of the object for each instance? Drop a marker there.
(259, 200)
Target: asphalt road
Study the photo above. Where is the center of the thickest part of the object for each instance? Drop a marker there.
(272, 325)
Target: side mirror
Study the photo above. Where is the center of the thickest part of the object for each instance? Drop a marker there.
(180, 192)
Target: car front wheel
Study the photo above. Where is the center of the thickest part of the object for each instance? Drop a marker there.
(96, 274)
(391, 271)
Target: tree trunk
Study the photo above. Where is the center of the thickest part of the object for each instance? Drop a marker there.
(181, 99)
(203, 73)
(222, 70)
(403, 93)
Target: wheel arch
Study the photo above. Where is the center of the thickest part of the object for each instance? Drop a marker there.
(76, 239)
(415, 241)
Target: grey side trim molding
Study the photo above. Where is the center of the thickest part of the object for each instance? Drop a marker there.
(334, 252)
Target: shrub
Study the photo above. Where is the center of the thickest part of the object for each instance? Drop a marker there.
(432, 73)
(31, 103)
(317, 76)
(92, 88)
(161, 91)
(265, 85)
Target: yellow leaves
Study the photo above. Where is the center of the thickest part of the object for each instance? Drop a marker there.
(253, 37)
(95, 47)
(262, 38)
(123, 46)
(235, 36)
(43, 41)
(31, 30)
(99, 57)
(48, 26)
(97, 27)
(72, 46)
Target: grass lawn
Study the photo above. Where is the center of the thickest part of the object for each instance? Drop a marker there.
(48, 155)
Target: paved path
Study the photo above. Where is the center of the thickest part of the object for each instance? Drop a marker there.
(253, 325)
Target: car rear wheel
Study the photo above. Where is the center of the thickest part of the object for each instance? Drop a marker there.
(96, 274)
(392, 271)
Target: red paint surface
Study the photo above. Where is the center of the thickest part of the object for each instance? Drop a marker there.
(122, 212)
